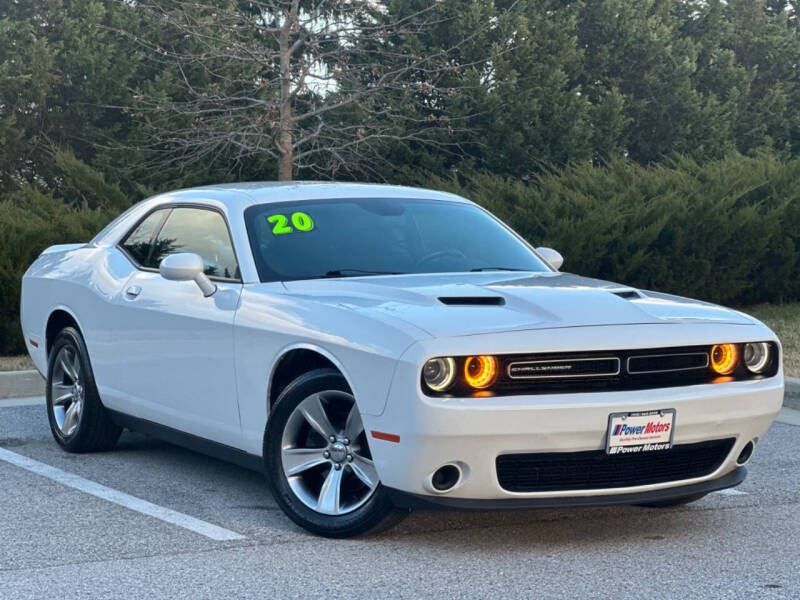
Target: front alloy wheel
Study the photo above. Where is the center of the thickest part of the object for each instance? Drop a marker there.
(328, 466)
(318, 461)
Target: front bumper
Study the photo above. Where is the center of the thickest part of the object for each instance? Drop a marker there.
(474, 431)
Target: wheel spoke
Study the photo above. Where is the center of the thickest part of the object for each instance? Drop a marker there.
(64, 393)
(313, 412)
(364, 469)
(329, 495)
(79, 409)
(76, 366)
(70, 418)
(68, 368)
(297, 460)
(63, 399)
(353, 427)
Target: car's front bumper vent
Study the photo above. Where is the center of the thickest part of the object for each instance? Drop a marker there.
(596, 470)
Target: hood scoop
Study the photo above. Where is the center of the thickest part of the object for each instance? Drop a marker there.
(628, 294)
(472, 300)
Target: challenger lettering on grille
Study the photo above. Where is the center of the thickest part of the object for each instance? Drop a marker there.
(529, 369)
(560, 368)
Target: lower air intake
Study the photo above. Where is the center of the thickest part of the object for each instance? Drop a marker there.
(596, 470)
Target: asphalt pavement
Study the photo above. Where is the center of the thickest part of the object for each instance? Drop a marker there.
(144, 521)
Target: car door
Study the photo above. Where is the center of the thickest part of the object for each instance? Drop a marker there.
(174, 354)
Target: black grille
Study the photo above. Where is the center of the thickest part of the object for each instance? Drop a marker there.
(664, 363)
(565, 471)
(645, 362)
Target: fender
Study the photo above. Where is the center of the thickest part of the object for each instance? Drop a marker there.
(281, 354)
(64, 308)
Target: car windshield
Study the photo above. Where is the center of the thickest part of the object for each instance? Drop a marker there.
(378, 236)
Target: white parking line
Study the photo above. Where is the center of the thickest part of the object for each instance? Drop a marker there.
(33, 401)
(121, 498)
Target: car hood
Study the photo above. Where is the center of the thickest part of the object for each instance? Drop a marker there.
(447, 305)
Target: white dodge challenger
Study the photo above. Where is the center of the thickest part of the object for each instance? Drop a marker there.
(375, 348)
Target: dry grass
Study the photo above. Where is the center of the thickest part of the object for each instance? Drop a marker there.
(15, 363)
(784, 320)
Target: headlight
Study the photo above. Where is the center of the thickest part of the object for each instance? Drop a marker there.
(723, 358)
(756, 356)
(480, 371)
(439, 373)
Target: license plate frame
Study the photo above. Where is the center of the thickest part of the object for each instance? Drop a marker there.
(643, 442)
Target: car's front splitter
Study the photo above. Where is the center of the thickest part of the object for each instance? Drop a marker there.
(407, 500)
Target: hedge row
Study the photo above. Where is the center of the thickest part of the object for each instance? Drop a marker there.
(727, 231)
(31, 219)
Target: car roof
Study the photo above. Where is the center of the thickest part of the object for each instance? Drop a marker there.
(244, 194)
(234, 198)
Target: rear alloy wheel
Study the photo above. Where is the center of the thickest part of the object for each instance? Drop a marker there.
(318, 460)
(78, 420)
(67, 390)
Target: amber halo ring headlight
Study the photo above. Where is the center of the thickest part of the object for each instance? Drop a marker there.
(439, 373)
(756, 356)
(724, 358)
(480, 371)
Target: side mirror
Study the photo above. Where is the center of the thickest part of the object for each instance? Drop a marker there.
(553, 257)
(186, 266)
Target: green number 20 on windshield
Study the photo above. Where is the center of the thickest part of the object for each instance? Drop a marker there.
(300, 221)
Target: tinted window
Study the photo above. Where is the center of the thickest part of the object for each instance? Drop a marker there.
(140, 241)
(301, 240)
(202, 232)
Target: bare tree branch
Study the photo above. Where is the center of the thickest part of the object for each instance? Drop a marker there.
(319, 85)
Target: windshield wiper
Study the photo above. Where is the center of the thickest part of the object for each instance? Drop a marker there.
(476, 269)
(355, 273)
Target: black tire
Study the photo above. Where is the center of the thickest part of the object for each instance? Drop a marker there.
(673, 502)
(94, 431)
(376, 514)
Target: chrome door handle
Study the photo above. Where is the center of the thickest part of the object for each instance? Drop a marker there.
(133, 291)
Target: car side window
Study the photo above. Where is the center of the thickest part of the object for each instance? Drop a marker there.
(202, 232)
(139, 242)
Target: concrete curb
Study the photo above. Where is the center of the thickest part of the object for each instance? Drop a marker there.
(21, 384)
(791, 395)
(789, 416)
(26, 384)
